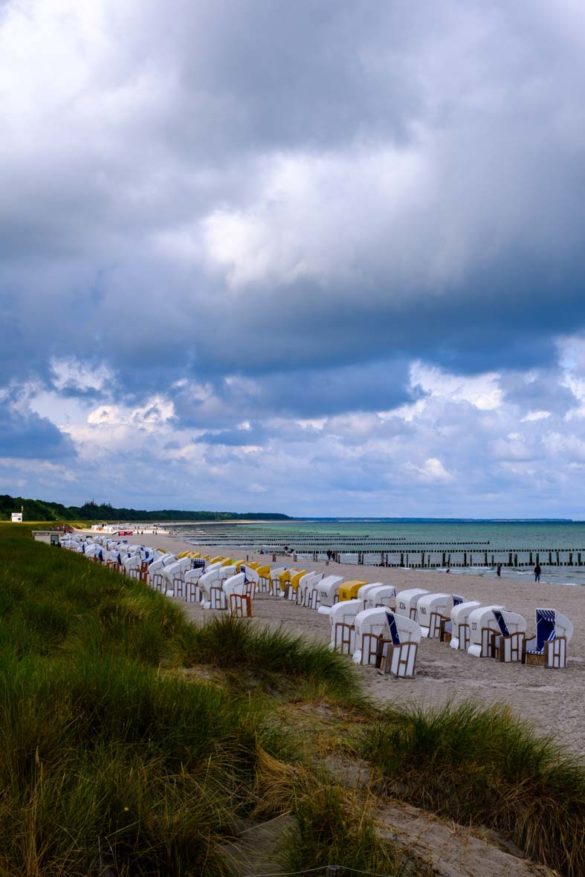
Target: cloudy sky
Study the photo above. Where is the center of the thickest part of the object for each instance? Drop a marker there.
(319, 257)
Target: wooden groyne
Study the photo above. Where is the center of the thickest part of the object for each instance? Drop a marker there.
(392, 552)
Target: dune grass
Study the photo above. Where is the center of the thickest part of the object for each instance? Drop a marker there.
(110, 761)
(107, 765)
(273, 655)
(484, 767)
(335, 826)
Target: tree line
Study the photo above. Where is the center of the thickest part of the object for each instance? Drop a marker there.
(41, 510)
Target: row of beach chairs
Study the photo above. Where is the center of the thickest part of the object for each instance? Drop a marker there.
(369, 620)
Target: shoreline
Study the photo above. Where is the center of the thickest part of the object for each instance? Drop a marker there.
(550, 700)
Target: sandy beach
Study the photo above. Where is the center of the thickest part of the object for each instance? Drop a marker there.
(553, 702)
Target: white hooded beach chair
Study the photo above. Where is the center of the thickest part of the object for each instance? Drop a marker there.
(508, 644)
(433, 610)
(397, 652)
(236, 595)
(135, 567)
(174, 575)
(370, 625)
(328, 593)
(326, 589)
(192, 576)
(460, 630)
(155, 576)
(549, 647)
(210, 585)
(364, 590)
(342, 620)
(307, 590)
(496, 633)
(381, 595)
(406, 601)
(270, 581)
(252, 578)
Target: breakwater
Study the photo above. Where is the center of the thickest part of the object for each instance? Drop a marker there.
(414, 544)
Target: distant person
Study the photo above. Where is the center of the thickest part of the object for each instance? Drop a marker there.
(537, 572)
(499, 570)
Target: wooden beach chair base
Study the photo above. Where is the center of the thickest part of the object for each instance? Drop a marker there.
(396, 660)
(369, 648)
(554, 656)
(445, 630)
(217, 598)
(344, 638)
(240, 605)
(508, 649)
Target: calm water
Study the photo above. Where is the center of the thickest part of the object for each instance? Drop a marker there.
(397, 535)
(499, 534)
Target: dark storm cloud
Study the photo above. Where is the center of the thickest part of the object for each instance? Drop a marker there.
(311, 393)
(23, 434)
(476, 263)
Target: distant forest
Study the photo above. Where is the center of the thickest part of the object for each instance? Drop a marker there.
(39, 510)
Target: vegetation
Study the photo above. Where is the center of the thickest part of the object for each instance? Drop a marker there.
(273, 655)
(41, 510)
(114, 759)
(485, 767)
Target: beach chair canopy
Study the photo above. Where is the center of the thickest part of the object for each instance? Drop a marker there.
(381, 595)
(235, 584)
(369, 623)
(327, 590)
(344, 612)
(406, 601)
(365, 589)
(402, 629)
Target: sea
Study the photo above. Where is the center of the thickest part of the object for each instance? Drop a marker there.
(461, 546)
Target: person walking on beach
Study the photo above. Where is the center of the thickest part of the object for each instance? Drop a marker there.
(537, 572)
(499, 570)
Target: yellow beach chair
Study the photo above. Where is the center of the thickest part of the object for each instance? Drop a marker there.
(349, 590)
(295, 579)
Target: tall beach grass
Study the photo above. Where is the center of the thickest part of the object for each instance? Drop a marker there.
(486, 768)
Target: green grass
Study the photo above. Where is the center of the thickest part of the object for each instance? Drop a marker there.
(110, 756)
(487, 768)
(234, 643)
(335, 827)
(105, 763)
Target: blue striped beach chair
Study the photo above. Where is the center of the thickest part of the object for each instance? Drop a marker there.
(508, 644)
(549, 647)
(397, 654)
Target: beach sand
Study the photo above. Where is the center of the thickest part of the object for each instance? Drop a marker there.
(552, 701)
